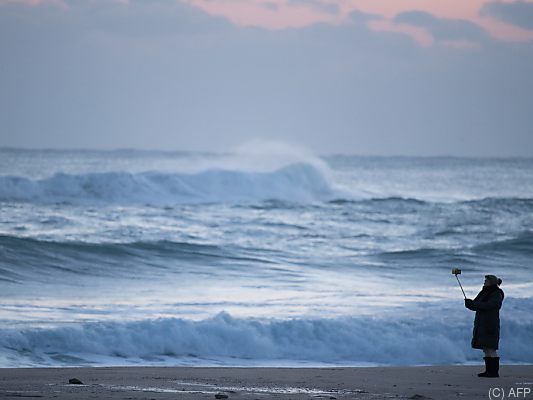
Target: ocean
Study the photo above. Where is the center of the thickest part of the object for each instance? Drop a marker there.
(264, 256)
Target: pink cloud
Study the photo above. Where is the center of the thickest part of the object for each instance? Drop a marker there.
(272, 14)
(279, 14)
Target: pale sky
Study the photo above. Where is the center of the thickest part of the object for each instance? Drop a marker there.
(387, 77)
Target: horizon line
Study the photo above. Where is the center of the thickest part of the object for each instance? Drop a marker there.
(229, 151)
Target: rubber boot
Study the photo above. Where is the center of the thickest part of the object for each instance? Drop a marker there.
(494, 364)
(487, 368)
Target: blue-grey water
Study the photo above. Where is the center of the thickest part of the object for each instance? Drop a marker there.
(262, 256)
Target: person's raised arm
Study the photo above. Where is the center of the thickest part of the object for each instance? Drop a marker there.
(494, 302)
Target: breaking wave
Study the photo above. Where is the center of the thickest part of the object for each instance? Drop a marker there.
(297, 182)
(236, 341)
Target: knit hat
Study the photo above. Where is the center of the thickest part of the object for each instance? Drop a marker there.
(493, 279)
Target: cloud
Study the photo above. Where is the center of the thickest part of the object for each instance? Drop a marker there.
(156, 16)
(322, 6)
(519, 13)
(363, 17)
(443, 28)
(164, 74)
(269, 5)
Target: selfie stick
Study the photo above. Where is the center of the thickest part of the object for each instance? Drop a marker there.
(457, 271)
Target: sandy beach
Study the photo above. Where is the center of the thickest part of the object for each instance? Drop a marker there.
(434, 382)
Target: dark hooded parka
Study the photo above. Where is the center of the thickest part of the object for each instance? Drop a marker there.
(487, 304)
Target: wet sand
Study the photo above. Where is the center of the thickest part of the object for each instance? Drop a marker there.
(435, 382)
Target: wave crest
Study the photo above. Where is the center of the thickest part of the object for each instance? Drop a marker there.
(295, 183)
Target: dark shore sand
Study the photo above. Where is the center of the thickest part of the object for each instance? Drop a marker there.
(435, 382)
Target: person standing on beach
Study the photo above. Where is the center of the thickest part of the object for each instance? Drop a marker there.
(486, 334)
